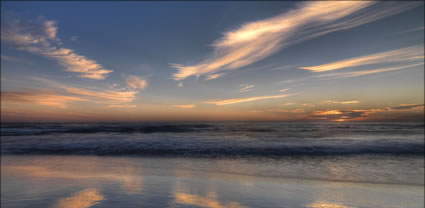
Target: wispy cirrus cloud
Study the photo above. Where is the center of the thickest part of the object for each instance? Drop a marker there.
(121, 106)
(341, 102)
(414, 53)
(246, 88)
(105, 96)
(299, 110)
(40, 37)
(214, 76)
(113, 98)
(184, 106)
(242, 100)
(40, 97)
(135, 82)
(366, 72)
(257, 40)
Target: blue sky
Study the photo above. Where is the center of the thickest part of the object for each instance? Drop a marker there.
(212, 60)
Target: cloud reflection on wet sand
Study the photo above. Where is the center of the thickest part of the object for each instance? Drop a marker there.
(83, 199)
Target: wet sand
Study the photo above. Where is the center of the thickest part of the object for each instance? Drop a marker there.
(95, 181)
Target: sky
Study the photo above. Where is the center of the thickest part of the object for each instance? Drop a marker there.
(336, 61)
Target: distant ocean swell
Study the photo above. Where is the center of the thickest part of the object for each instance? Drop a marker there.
(214, 140)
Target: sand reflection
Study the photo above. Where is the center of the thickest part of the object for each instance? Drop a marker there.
(201, 201)
(130, 181)
(83, 199)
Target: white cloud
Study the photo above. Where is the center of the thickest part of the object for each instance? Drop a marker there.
(214, 76)
(257, 40)
(246, 88)
(241, 100)
(366, 72)
(135, 82)
(413, 53)
(40, 37)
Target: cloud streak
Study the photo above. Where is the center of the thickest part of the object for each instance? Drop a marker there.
(341, 102)
(246, 88)
(40, 37)
(184, 106)
(40, 97)
(111, 97)
(242, 100)
(413, 53)
(366, 72)
(257, 40)
(135, 82)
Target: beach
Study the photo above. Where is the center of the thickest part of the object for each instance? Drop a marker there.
(93, 181)
(213, 165)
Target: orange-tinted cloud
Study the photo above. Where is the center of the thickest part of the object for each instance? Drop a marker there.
(184, 106)
(40, 37)
(40, 97)
(241, 100)
(214, 76)
(257, 40)
(367, 72)
(414, 53)
(341, 102)
(135, 82)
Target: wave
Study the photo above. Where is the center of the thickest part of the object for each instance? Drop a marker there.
(289, 129)
(214, 139)
(198, 150)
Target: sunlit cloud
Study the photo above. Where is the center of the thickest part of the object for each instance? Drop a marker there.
(112, 97)
(362, 114)
(83, 199)
(40, 37)
(40, 97)
(184, 106)
(288, 111)
(366, 72)
(241, 100)
(284, 90)
(326, 205)
(135, 82)
(121, 106)
(246, 88)
(341, 102)
(413, 53)
(106, 96)
(257, 40)
(180, 84)
(214, 76)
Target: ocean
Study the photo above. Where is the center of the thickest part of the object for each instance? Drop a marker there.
(212, 164)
